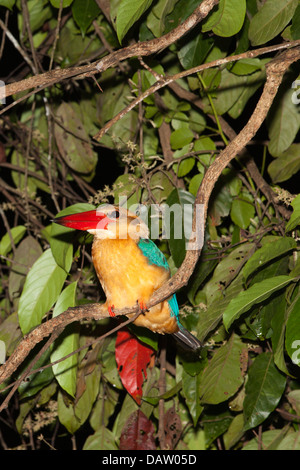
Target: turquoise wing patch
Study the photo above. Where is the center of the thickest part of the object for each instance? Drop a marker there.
(155, 256)
(174, 307)
(153, 253)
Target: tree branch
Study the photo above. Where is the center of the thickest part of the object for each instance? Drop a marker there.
(111, 60)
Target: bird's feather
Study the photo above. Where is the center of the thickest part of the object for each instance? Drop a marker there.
(155, 256)
(153, 253)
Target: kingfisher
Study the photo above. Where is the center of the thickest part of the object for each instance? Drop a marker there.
(130, 267)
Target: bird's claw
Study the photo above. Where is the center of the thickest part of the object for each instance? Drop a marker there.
(143, 306)
(111, 311)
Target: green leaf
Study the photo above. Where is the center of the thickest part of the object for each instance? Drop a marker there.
(102, 439)
(178, 222)
(290, 442)
(39, 380)
(271, 250)
(7, 3)
(292, 335)
(10, 333)
(65, 3)
(39, 13)
(194, 52)
(295, 217)
(255, 294)
(214, 289)
(223, 376)
(191, 391)
(228, 93)
(210, 318)
(234, 431)
(72, 48)
(246, 66)
(254, 81)
(128, 13)
(84, 13)
(295, 28)
(228, 19)
(195, 184)
(29, 183)
(185, 166)
(294, 399)
(65, 371)
(184, 8)
(62, 238)
(283, 123)
(268, 440)
(273, 16)
(285, 165)
(264, 389)
(26, 254)
(278, 312)
(161, 185)
(203, 269)
(41, 290)
(16, 234)
(181, 137)
(203, 144)
(73, 146)
(213, 427)
(73, 413)
(125, 187)
(242, 211)
(157, 16)
(153, 400)
(114, 99)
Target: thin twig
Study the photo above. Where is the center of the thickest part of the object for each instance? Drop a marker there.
(17, 46)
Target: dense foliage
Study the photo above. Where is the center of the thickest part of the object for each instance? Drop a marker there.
(243, 299)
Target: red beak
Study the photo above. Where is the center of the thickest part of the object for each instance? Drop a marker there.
(84, 220)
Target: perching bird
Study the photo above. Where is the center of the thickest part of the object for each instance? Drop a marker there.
(130, 267)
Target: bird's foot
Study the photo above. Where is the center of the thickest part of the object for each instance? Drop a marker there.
(111, 312)
(143, 306)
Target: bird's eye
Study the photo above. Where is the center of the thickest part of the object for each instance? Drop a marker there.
(114, 215)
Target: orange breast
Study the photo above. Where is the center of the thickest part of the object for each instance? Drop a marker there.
(127, 277)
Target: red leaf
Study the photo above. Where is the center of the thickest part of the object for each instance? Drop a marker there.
(137, 433)
(132, 358)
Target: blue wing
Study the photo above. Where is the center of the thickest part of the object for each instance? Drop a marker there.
(155, 256)
(153, 253)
